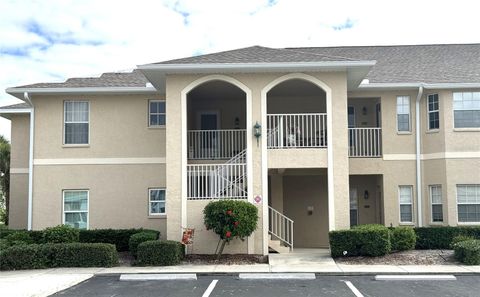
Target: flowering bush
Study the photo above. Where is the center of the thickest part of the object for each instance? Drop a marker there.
(230, 219)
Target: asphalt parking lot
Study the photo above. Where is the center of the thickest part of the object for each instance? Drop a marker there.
(222, 285)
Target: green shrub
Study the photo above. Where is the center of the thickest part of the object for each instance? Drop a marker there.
(363, 240)
(19, 238)
(119, 237)
(230, 219)
(403, 238)
(468, 251)
(4, 244)
(442, 237)
(5, 232)
(460, 238)
(138, 238)
(160, 253)
(28, 256)
(34, 256)
(60, 234)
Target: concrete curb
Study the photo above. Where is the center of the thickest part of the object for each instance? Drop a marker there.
(259, 276)
(417, 277)
(157, 276)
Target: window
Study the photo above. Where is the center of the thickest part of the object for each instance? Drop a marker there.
(433, 112)
(75, 208)
(157, 201)
(468, 202)
(403, 113)
(76, 117)
(466, 110)
(436, 200)
(406, 205)
(156, 113)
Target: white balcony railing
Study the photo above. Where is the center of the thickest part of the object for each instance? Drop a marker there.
(365, 142)
(302, 130)
(215, 144)
(217, 181)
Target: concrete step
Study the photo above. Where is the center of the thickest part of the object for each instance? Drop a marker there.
(277, 246)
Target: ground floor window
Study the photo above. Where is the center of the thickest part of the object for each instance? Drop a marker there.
(405, 196)
(75, 208)
(436, 200)
(468, 203)
(157, 201)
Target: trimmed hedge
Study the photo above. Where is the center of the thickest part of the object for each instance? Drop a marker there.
(363, 240)
(160, 253)
(138, 238)
(118, 237)
(403, 238)
(60, 234)
(34, 256)
(442, 237)
(468, 251)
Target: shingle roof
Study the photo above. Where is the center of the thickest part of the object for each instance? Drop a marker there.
(258, 54)
(16, 106)
(446, 63)
(109, 79)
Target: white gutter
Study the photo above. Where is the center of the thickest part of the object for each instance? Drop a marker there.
(30, 161)
(418, 156)
(377, 86)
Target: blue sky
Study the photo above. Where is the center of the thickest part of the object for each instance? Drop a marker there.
(45, 41)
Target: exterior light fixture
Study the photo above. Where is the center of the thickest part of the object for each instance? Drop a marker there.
(257, 131)
(365, 195)
(237, 123)
(364, 110)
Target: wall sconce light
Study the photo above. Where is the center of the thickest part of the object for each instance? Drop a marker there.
(237, 123)
(364, 110)
(365, 195)
(257, 131)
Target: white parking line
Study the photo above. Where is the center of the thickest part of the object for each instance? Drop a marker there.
(157, 276)
(210, 288)
(276, 276)
(353, 289)
(410, 277)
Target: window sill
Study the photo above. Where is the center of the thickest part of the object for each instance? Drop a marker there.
(404, 133)
(157, 216)
(436, 223)
(433, 131)
(466, 129)
(468, 223)
(407, 224)
(75, 145)
(156, 127)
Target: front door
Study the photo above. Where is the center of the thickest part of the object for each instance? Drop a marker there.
(209, 124)
(353, 207)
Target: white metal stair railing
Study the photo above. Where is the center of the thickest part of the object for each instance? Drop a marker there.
(235, 187)
(280, 226)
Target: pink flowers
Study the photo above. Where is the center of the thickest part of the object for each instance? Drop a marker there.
(229, 212)
(228, 234)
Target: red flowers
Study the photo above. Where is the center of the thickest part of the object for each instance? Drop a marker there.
(236, 224)
(228, 234)
(229, 212)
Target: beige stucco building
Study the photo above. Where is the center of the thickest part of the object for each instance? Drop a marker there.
(318, 139)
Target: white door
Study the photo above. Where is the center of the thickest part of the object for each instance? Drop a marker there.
(353, 207)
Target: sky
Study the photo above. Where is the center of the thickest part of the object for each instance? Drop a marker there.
(51, 40)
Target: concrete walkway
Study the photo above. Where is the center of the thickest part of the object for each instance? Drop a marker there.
(44, 282)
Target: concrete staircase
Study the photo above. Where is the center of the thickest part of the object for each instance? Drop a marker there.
(277, 246)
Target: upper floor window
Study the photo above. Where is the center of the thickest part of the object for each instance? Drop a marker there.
(466, 110)
(156, 113)
(468, 203)
(76, 122)
(433, 112)
(403, 113)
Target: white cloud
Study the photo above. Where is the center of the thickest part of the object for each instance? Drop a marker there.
(62, 39)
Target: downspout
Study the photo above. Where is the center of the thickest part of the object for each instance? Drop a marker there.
(418, 155)
(30, 161)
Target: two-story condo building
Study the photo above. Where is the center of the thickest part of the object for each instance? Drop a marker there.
(318, 139)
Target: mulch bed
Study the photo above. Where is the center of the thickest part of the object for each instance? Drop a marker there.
(226, 259)
(413, 257)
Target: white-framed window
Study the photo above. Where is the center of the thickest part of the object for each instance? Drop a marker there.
(466, 110)
(156, 113)
(405, 197)
(468, 203)
(156, 202)
(76, 122)
(75, 208)
(403, 113)
(433, 112)
(436, 201)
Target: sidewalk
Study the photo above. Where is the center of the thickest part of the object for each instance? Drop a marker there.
(45, 282)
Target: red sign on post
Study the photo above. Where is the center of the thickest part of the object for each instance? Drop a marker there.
(257, 199)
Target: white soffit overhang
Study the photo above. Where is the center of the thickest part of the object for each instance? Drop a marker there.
(415, 86)
(356, 70)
